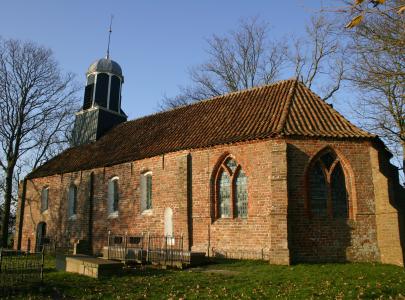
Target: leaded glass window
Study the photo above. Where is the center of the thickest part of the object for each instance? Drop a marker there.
(44, 198)
(327, 187)
(146, 191)
(339, 192)
(224, 196)
(113, 196)
(319, 190)
(241, 195)
(231, 197)
(116, 196)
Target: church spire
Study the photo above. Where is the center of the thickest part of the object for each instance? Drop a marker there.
(109, 38)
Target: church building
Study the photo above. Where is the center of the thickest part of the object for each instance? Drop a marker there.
(270, 171)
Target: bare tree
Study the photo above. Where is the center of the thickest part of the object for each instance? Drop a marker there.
(378, 69)
(248, 57)
(318, 57)
(242, 59)
(36, 107)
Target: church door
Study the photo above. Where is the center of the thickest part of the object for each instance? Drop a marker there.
(41, 233)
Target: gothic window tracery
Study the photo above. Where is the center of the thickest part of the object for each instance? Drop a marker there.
(231, 190)
(328, 195)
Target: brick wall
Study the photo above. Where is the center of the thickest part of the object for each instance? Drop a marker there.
(233, 237)
(388, 225)
(314, 239)
(277, 227)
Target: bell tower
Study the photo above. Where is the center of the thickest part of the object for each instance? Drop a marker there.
(101, 108)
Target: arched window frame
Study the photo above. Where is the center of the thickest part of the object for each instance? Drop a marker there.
(113, 197)
(44, 199)
(72, 201)
(349, 182)
(146, 190)
(233, 175)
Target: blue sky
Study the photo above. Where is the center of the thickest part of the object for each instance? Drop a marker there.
(154, 41)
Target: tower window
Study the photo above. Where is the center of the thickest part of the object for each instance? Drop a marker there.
(88, 92)
(102, 89)
(114, 93)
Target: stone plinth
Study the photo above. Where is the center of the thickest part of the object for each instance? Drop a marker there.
(92, 266)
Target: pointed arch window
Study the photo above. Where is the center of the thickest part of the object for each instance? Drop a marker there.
(327, 192)
(231, 190)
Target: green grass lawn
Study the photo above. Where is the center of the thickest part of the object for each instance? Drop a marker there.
(233, 280)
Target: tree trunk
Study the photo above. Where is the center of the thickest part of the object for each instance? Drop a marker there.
(403, 160)
(7, 204)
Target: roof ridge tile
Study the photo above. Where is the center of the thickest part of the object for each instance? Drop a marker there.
(286, 108)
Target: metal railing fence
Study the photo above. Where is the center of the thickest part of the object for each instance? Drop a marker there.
(167, 250)
(20, 269)
(125, 248)
(146, 248)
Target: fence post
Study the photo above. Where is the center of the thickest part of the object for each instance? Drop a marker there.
(209, 239)
(181, 249)
(25, 265)
(165, 250)
(108, 244)
(1, 258)
(147, 249)
(42, 265)
(125, 246)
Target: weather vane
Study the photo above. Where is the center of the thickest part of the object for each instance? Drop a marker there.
(109, 37)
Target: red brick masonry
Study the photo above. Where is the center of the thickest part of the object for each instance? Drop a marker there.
(274, 133)
(277, 227)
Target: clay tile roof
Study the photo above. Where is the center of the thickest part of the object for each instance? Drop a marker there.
(286, 108)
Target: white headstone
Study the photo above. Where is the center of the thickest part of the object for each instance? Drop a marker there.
(168, 222)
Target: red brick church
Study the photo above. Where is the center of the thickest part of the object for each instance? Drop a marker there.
(273, 169)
